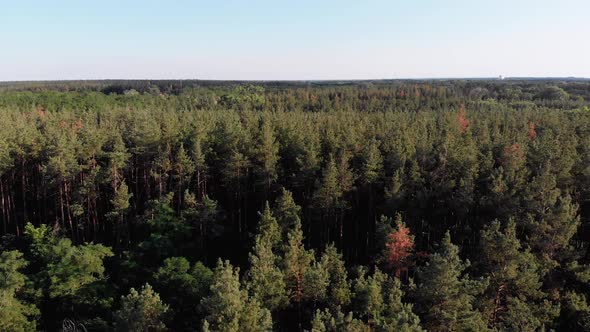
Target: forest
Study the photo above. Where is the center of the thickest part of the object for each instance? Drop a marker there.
(321, 206)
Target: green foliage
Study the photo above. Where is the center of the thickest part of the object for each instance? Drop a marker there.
(121, 199)
(267, 152)
(372, 163)
(378, 298)
(287, 212)
(265, 279)
(315, 283)
(67, 267)
(514, 286)
(575, 313)
(325, 321)
(338, 293)
(169, 173)
(71, 267)
(15, 314)
(183, 286)
(167, 234)
(268, 228)
(445, 296)
(68, 275)
(244, 97)
(296, 264)
(141, 311)
(229, 308)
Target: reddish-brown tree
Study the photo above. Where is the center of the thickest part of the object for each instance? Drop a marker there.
(462, 119)
(532, 130)
(399, 247)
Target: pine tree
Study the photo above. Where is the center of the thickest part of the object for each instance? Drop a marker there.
(338, 293)
(378, 298)
(328, 194)
(368, 292)
(121, 199)
(394, 191)
(228, 306)
(328, 197)
(315, 284)
(236, 170)
(194, 282)
(397, 316)
(162, 167)
(168, 234)
(326, 321)
(513, 299)
(445, 297)
(255, 317)
(267, 152)
(70, 275)
(575, 313)
(296, 263)
(287, 212)
(118, 158)
(226, 302)
(200, 170)
(265, 279)
(183, 169)
(120, 204)
(205, 219)
(141, 311)
(268, 228)
(15, 314)
(372, 165)
(550, 234)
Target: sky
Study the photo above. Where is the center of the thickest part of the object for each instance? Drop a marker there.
(293, 40)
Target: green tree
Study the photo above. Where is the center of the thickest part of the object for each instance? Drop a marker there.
(369, 295)
(168, 234)
(66, 268)
(445, 297)
(325, 321)
(296, 264)
(16, 314)
(141, 311)
(287, 212)
(183, 170)
(205, 219)
(200, 171)
(228, 306)
(67, 276)
(513, 299)
(267, 152)
(268, 228)
(315, 284)
(265, 279)
(182, 286)
(575, 313)
(372, 164)
(338, 293)
(378, 298)
(397, 316)
(120, 204)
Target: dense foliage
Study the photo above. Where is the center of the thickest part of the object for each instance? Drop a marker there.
(319, 206)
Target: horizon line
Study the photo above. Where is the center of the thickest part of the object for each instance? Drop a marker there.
(497, 78)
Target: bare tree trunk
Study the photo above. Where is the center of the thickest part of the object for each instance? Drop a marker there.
(61, 202)
(23, 190)
(69, 213)
(4, 221)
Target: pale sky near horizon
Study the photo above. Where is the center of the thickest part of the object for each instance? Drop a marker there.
(270, 40)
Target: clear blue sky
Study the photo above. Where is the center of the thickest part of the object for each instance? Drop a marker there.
(300, 39)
